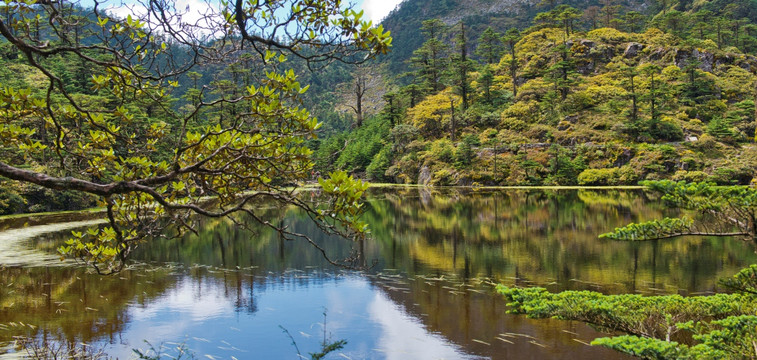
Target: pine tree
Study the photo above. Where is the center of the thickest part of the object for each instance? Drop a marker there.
(430, 59)
(490, 46)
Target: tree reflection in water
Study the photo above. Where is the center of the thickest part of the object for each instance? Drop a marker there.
(436, 252)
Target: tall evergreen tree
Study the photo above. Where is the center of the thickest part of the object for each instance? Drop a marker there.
(430, 59)
(512, 36)
(563, 73)
(461, 66)
(490, 46)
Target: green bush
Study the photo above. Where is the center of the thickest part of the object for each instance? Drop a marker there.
(443, 177)
(41, 199)
(732, 176)
(362, 145)
(10, 202)
(442, 150)
(380, 163)
(464, 153)
(598, 177)
(665, 130)
(690, 176)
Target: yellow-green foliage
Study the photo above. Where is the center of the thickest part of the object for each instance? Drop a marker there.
(432, 114)
(533, 43)
(533, 89)
(671, 73)
(690, 176)
(441, 150)
(733, 80)
(597, 108)
(656, 38)
(517, 116)
(600, 93)
(609, 35)
(598, 176)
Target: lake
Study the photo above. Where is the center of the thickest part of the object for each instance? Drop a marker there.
(434, 257)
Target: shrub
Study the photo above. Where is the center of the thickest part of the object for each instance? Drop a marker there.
(464, 153)
(608, 35)
(443, 177)
(732, 176)
(690, 176)
(598, 177)
(525, 111)
(380, 164)
(442, 150)
(10, 202)
(665, 130)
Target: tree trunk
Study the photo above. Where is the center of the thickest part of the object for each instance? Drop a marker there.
(452, 120)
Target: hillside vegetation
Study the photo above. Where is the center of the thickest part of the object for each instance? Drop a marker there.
(666, 95)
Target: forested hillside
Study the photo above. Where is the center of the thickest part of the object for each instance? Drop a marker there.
(487, 92)
(552, 94)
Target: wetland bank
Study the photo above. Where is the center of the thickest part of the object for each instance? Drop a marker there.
(434, 256)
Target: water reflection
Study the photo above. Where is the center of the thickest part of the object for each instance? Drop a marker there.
(14, 243)
(226, 292)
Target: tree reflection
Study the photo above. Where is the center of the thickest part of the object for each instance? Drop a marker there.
(543, 236)
(519, 237)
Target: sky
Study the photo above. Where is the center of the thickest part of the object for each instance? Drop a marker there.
(376, 10)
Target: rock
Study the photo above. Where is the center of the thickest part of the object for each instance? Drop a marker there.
(706, 60)
(623, 158)
(585, 67)
(588, 43)
(657, 54)
(748, 63)
(692, 138)
(632, 50)
(424, 177)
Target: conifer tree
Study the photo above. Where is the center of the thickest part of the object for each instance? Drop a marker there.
(430, 59)
(512, 36)
(461, 66)
(490, 46)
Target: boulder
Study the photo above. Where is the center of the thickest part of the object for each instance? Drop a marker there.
(657, 54)
(424, 177)
(632, 50)
(588, 43)
(706, 60)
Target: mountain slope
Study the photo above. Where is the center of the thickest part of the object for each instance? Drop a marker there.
(405, 21)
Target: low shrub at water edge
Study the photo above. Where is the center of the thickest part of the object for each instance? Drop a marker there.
(723, 325)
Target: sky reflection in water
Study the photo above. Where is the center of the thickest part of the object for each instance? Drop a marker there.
(201, 314)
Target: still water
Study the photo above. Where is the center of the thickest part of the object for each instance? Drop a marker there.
(435, 255)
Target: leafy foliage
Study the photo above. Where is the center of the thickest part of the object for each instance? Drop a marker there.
(119, 137)
(646, 316)
(732, 211)
(722, 324)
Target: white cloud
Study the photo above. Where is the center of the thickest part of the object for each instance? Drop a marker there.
(376, 10)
